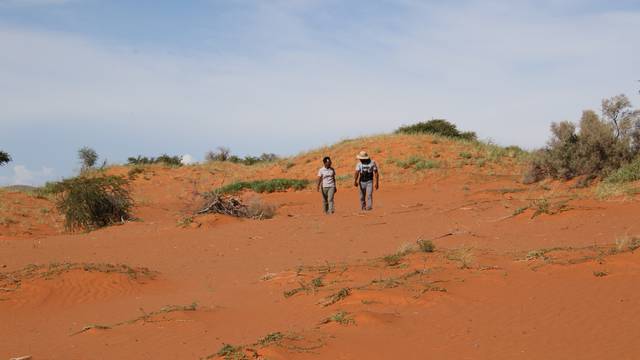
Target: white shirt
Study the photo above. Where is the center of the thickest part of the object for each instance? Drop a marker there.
(328, 177)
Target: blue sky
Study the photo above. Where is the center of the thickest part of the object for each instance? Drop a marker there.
(182, 77)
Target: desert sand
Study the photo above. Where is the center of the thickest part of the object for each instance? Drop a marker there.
(506, 280)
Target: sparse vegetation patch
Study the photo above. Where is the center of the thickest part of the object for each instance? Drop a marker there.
(261, 186)
(163, 159)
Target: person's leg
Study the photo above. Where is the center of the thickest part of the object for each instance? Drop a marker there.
(325, 200)
(369, 191)
(330, 194)
(363, 192)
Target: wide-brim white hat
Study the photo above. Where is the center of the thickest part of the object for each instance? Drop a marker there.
(362, 155)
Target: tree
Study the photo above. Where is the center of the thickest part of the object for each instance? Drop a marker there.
(88, 157)
(618, 110)
(223, 154)
(4, 158)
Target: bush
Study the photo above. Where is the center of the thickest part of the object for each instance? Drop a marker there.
(627, 173)
(93, 202)
(4, 158)
(162, 159)
(261, 186)
(224, 154)
(426, 245)
(437, 127)
(599, 148)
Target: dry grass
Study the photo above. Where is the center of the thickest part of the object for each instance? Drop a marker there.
(627, 243)
(463, 255)
(144, 317)
(31, 271)
(340, 317)
(260, 210)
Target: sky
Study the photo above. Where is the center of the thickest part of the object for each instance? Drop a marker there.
(183, 77)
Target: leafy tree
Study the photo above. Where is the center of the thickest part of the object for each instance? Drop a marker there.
(595, 148)
(88, 157)
(4, 158)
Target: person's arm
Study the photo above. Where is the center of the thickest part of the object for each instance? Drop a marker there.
(375, 174)
(335, 182)
(319, 182)
(356, 176)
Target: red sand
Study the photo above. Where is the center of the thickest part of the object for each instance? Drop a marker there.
(501, 306)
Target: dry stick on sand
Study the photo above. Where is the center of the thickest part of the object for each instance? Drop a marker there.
(144, 317)
(227, 205)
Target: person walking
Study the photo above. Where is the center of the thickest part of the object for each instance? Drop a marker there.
(366, 178)
(327, 181)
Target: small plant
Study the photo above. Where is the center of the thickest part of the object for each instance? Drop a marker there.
(426, 164)
(5, 221)
(185, 221)
(627, 243)
(134, 171)
(600, 273)
(317, 282)
(406, 249)
(537, 254)
(393, 259)
(340, 317)
(426, 245)
(93, 202)
(334, 298)
(463, 255)
(465, 155)
(270, 339)
(541, 206)
(230, 352)
(4, 158)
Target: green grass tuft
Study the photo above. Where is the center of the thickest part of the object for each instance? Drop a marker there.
(262, 186)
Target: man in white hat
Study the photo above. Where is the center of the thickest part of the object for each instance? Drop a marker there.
(366, 174)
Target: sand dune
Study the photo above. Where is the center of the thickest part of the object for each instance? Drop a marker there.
(505, 281)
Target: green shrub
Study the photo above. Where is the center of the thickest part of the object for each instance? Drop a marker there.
(162, 159)
(93, 202)
(627, 173)
(261, 186)
(417, 162)
(437, 127)
(426, 164)
(4, 158)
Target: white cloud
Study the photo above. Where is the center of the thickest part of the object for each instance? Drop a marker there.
(187, 159)
(21, 175)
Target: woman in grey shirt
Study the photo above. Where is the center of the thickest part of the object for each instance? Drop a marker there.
(327, 179)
